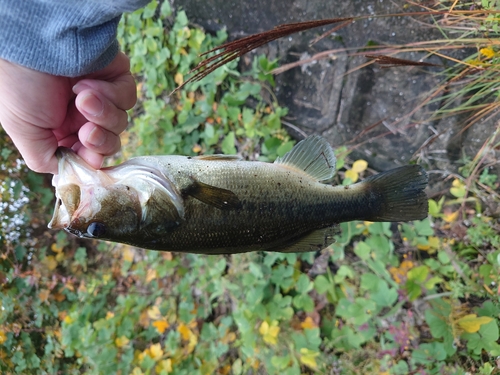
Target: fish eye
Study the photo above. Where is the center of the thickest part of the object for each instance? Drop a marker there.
(96, 230)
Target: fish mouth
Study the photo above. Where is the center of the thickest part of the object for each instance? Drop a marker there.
(68, 198)
(74, 232)
(60, 218)
(73, 178)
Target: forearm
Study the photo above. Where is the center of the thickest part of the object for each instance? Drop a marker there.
(65, 38)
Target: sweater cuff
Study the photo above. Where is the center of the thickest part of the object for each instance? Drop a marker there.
(66, 38)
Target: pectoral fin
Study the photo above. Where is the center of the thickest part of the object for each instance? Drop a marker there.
(222, 199)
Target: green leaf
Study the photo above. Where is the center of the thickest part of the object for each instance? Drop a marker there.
(321, 284)
(435, 208)
(303, 284)
(384, 296)
(423, 227)
(437, 318)
(228, 144)
(429, 353)
(5, 153)
(304, 302)
(181, 20)
(418, 274)
(362, 250)
(413, 289)
(380, 228)
(81, 256)
(431, 283)
(284, 148)
(344, 272)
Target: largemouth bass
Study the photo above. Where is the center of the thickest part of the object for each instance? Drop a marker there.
(218, 204)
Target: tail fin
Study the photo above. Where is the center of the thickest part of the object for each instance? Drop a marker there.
(399, 194)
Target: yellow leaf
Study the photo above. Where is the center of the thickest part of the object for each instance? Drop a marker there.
(61, 315)
(254, 362)
(109, 315)
(193, 341)
(434, 242)
(472, 323)
(264, 328)
(154, 313)
(450, 217)
(59, 297)
(161, 325)
(165, 365)
(58, 334)
(43, 295)
(151, 275)
(56, 248)
(121, 341)
(308, 323)
(125, 138)
(68, 319)
(128, 254)
(458, 188)
(50, 262)
(359, 165)
(137, 371)
(228, 338)
(60, 257)
(155, 351)
(423, 247)
(400, 273)
(353, 175)
(178, 78)
(432, 245)
(308, 357)
(3, 336)
(488, 52)
(184, 331)
(269, 332)
(144, 319)
(82, 288)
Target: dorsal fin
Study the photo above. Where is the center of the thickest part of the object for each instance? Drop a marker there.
(218, 157)
(314, 156)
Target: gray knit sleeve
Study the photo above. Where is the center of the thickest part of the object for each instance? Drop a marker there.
(62, 37)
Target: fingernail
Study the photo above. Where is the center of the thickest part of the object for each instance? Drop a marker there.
(92, 105)
(79, 87)
(96, 137)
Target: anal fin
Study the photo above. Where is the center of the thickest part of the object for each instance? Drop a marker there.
(314, 241)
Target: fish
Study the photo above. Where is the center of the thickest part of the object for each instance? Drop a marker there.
(221, 204)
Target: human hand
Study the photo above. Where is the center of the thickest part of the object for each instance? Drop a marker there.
(41, 112)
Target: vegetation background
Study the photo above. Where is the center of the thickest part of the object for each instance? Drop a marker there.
(420, 298)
